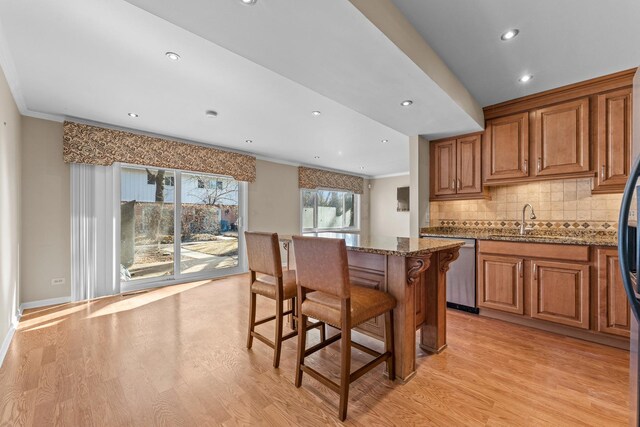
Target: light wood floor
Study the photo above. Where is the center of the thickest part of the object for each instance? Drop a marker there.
(177, 356)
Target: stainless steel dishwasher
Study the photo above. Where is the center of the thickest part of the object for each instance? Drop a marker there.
(461, 278)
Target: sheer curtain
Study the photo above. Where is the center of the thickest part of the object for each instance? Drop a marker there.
(95, 205)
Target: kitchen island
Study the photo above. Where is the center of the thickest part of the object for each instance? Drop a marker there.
(413, 271)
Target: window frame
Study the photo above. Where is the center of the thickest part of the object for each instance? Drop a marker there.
(355, 229)
(178, 277)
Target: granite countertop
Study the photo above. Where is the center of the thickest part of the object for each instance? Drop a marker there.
(387, 245)
(564, 237)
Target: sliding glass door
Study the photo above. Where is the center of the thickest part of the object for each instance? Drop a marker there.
(177, 226)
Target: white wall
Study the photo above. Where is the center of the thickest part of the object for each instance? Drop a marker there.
(46, 212)
(10, 209)
(384, 219)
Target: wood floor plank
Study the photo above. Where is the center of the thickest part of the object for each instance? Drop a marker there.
(177, 356)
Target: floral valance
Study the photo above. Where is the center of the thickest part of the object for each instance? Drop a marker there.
(99, 146)
(319, 178)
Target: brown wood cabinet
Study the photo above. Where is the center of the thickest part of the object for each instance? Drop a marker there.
(500, 283)
(614, 314)
(560, 292)
(444, 163)
(561, 138)
(613, 140)
(506, 148)
(456, 171)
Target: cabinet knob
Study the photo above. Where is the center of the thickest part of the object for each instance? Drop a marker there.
(459, 184)
(453, 184)
(526, 166)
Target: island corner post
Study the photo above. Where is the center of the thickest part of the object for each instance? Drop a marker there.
(419, 285)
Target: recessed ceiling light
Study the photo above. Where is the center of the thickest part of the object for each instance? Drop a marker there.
(508, 35)
(525, 78)
(210, 113)
(249, 2)
(362, 167)
(172, 56)
(315, 113)
(249, 141)
(316, 157)
(132, 115)
(385, 141)
(406, 103)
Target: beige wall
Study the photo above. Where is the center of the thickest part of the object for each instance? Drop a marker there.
(274, 199)
(385, 220)
(46, 212)
(10, 209)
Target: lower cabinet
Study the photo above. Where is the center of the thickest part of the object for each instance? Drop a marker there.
(569, 285)
(500, 283)
(560, 292)
(614, 314)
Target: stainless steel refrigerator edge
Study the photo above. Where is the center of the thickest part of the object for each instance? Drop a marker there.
(629, 257)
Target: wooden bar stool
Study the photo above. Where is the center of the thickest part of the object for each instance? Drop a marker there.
(323, 267)
(263, 253)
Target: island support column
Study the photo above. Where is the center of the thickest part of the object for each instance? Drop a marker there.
(402, 275)
(433, 334)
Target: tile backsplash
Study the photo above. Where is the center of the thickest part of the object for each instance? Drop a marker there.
(561, 203)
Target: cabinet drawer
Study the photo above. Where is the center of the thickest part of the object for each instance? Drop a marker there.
(535, 250)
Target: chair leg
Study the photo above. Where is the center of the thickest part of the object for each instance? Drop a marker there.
(294, 306)
(323, 333)
(278, 340)
(302, 343)
(345, 370)
(252, 318)
(389, 343)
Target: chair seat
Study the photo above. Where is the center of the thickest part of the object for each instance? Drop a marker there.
(366, 304)
(266, 285)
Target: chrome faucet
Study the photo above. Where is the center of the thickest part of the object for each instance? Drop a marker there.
(523, 225)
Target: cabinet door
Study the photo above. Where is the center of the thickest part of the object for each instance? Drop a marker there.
(613, 136)
(500, 283)
(613, 307)
(506, 149)
(560, 293)
(561, 138)
(443, 165)
(469, 165)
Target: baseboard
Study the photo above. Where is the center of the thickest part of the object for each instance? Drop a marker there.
(44, 303)
(6, 343)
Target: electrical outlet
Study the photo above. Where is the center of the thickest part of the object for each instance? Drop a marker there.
(58, 282)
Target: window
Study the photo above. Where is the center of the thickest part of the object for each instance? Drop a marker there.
(324, 210)
(168, 232)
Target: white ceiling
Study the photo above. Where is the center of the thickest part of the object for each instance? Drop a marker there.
(560, 41)
(263, 68)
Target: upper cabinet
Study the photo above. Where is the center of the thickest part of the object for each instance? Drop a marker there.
(561, 138)
(506, 148)
(443, 167)
(456, 171)
(581, 130)
(578, 131)
(613, 140)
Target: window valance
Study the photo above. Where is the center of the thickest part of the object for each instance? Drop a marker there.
(99, 146)
(318, 178)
